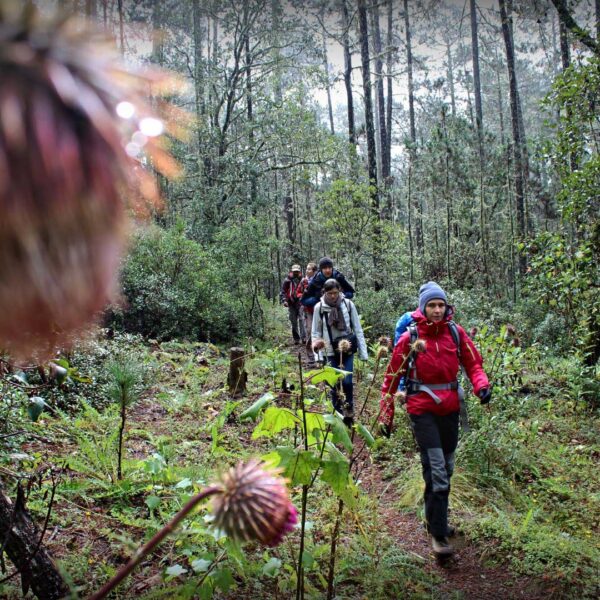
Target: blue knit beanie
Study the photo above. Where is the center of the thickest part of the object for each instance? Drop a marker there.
(430, 291)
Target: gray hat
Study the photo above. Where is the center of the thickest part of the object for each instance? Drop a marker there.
(296, 268)
(430, 291)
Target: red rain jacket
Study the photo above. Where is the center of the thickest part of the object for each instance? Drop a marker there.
(438, 364)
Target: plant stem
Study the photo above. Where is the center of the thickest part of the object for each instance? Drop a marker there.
(156, 539)
(332, 553)
(121, 432)
(300, 570)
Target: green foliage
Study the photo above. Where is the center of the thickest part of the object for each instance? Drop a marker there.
(173, 289)
(565, 273)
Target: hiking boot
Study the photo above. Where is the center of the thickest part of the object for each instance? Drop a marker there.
(441, 546)
(451, 531)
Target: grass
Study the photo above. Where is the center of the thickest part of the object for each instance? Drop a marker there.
(526, 480)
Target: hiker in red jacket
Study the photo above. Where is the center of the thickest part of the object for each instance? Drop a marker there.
(292, 289)
(430, 364)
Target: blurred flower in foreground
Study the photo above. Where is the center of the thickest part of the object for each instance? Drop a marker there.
(419, 346)
(254, 504)
(72, 125)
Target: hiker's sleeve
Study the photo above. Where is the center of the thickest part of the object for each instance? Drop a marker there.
(397, 367)
(472, 362)
(317, 325)
(346, 287)
(309, 297)
(360, 335)
(282, 293)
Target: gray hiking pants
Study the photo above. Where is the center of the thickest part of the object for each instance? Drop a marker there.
(296, 315)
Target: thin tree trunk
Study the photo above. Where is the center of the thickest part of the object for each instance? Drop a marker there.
(198, 67)
(479, 125)
(348, 72)
(476, 77)
(450, 68)
(447, 196)
(368, 100)
(327, 84)
(390, 80)
(250, 116)
(413, 132)
(381, 109)
(517, 143)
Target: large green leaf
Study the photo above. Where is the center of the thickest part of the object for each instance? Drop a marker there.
(253, 411)
(365, 434)
(274, 420)
(335, 473)
(327, 374)
(339, 430)
(300, 469)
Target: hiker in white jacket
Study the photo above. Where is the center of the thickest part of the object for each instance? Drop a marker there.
(336, 330)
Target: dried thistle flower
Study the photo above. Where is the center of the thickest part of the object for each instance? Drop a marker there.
(419, 346)
(67, 159)
(381, 352)
(385, 342)
(473, 332)
(254, 504)
(511, 329)
(344, 346)
(516, 342)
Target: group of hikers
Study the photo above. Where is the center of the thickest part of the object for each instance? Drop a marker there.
(429, 350)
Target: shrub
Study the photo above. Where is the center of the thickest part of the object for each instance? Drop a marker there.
(171, 289)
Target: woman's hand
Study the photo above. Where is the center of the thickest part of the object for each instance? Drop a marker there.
(485, 395)
(318, 344)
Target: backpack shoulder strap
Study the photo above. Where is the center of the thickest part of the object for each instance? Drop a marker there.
(349, 315)
(412, 330)
(455, 336)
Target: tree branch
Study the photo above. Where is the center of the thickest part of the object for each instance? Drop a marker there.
(581, 34)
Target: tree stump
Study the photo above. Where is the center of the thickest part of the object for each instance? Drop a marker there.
(20, 539)
(237, 378)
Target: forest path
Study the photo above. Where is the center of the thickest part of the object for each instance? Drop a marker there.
(467, 575)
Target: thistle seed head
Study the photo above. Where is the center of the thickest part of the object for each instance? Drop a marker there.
(385, 342)
(511, 329)
(473, 332)
(254, 505)
(419, 346)
(345, 346)
(67, 163)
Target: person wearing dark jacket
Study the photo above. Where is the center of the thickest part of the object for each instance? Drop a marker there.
(430, 365)
(312, 294)
(292, 289)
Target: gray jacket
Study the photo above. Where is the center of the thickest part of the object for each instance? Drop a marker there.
(319, 328)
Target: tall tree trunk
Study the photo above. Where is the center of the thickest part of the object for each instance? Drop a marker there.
(370, 129)
(381, 109)
(250, 116)
(198, 67)
(21, 540)
(476, 78)
(412, 206)
(327, 83)
(479, 125)
(348, 72)
(517, 142)
(565, 53)
(597, 11)
(450, 71)
(390, 80)
(368, 100)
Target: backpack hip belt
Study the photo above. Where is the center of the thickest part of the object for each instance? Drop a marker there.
(415, 386)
